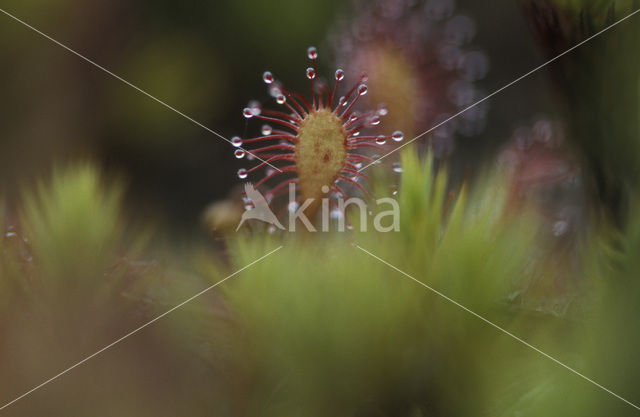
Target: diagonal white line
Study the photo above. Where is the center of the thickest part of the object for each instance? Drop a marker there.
(131, 85)
(498, 327)
(137, 330)
(501, 89)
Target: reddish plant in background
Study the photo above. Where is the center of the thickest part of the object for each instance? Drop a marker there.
(413, 52)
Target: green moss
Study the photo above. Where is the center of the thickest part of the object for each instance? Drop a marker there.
(330, 330)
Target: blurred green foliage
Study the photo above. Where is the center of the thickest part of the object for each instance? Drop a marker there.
(73, 225)
(330, 330)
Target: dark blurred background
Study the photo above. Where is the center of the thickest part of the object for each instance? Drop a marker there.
(205, 58)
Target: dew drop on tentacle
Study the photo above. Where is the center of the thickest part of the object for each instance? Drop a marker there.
(281, 99)
(275, 90)
(236, 141)
(381, 140)
(461, 93)
(439, 9)
(449, 57)
(460, 30)
(560, 228)
(311, 73)
(247, 113)
(312, 53)
(242, 173)
(397, 167)
(446, 125)
(339, 75)
(397, 136)
(543, 131)
(256, 108)
(239, 153)
(267, 77)
(474, 66)
(266, 130)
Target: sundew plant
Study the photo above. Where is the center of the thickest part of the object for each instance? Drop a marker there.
(343, 248)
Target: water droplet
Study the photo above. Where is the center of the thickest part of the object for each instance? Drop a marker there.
(393, 190)
(461, 93)
(460, 30)
(447, 125)
(474, 66)
(311, 73)
(236, 141)
(239, 153)
(397, 167)
(374, 120)
(242, 173)
(250, 156)
(449, 57)
(247, 113)
(275, 90)
(325, 189)
(560, 228)
(339, 75)
(266, 130)
(353, 118)
(281, 99)
(543, 131)
(383, 110)
(312, 53)
(381, 140)
(267, 77)
(358, 165)
(439, 9)
(270, 171)
(255, 107)
(342, 101)
(397, 136)
(362, 89)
